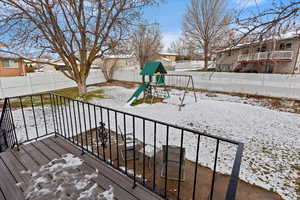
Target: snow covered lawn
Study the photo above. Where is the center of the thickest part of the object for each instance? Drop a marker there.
(271, 138)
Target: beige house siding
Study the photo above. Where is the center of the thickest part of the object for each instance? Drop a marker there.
(228, 59)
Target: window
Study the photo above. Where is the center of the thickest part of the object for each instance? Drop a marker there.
(288, 45)
(282, 46)
(7, 63)
(263, 49)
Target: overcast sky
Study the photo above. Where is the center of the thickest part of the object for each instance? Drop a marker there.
(169, 15)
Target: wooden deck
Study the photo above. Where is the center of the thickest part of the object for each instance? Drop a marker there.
(34, 155)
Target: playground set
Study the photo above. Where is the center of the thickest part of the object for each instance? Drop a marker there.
(156, 83)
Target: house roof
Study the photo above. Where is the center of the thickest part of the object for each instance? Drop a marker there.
(167, 54)
(286, 36)
(118, 56)
(152, 67)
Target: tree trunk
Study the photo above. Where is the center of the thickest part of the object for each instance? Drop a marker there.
(82, 89)
(205, 55)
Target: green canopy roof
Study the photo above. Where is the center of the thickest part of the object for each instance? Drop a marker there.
(152, 67)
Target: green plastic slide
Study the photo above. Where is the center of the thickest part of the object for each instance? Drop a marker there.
(138, 91)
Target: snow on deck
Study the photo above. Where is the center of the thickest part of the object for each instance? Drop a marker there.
(61, 177)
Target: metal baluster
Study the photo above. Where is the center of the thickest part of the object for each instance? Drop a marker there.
(214, 172)
(196, 167)
(166, 172)
(13, 124)
(180, 163)
(154, 158)
(109, 136)
(80, 127)
(75, 121)
(43, 109)
(144, 151)
(58, 111)
(90, 123)
(24, 120)
(56, 114)
(117, 138)
(97, 139)
(134, 167)
(52, 111)
(124, 120)
(103, 150)
(71, 120)
(67, 119)
(7, 125)
(34, 118)
(84, 122)
(63, 117)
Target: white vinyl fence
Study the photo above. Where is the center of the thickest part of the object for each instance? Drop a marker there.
(273, 85)
(41, 82)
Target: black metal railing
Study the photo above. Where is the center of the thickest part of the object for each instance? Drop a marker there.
(7, 128)
(105, 133)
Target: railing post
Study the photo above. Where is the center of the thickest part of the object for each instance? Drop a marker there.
(233, 182)
(13, 125)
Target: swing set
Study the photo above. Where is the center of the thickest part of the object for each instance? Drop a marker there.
(158, 83)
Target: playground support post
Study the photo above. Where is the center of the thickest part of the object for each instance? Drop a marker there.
(194, 89)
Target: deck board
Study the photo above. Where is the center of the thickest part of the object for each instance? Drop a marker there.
(126, 183)
(8, 184)
(1, 195)
(102, 180)
(32, 156)
(36, 155)
(15, 167)
(26, 160)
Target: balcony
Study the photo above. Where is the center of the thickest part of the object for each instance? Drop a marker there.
(45, 131)
(270, 55)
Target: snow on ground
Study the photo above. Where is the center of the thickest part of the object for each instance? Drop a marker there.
(60, 178)
(271, 138)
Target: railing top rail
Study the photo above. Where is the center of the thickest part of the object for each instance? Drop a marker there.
(232, 186)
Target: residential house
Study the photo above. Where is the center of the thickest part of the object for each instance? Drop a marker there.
(122, 60)
(12, 67)
(273, 55)
(171, 57)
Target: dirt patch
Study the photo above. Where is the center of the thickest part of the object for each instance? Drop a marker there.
(147, 101)
(125, 84)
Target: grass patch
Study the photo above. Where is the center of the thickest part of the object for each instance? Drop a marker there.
(68, 92)
(74, 94)
(147, 101)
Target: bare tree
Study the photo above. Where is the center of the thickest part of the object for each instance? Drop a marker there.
(280, 17)
(77, 31)
(179, 47)
(146, 43)
(203, 23)
(108, 66)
